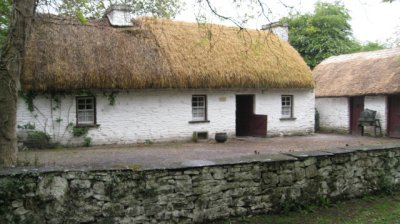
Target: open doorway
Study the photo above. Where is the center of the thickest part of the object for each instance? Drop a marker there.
(356, 107)
(248, 123)
(394, 116)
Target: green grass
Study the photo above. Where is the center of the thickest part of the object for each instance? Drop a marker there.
(369, 209)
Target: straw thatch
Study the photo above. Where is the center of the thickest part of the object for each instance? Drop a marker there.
(367, 73)
(62, 54)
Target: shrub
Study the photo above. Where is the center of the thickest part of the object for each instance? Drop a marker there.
(87, 141)
(80, 131)
(37, 139)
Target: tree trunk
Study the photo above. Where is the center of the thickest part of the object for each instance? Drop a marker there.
(11, 57)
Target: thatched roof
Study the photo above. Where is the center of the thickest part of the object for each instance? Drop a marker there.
(367, 73)
(63, 54)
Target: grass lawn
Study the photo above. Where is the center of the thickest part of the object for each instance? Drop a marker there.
(369, 209)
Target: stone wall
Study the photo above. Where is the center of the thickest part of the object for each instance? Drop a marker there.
(257, 184)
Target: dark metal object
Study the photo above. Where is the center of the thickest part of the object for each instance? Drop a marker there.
(368, 118)
(221, 137)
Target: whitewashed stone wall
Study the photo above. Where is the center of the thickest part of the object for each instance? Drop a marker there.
(163, 115)
(334, 114)
(377, 103)
(303, 111)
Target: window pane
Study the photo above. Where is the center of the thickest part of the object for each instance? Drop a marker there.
(85, 110)
(286, 106)
(198, 107)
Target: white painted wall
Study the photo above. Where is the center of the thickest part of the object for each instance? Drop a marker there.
(377, 103)
(164, 115)
(334, 114)
(269, 103)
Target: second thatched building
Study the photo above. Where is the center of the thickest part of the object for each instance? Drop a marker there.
(154, 80)
(348, 84)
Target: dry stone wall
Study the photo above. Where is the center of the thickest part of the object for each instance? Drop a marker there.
(252, 185)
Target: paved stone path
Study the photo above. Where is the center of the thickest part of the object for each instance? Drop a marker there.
(164, 155)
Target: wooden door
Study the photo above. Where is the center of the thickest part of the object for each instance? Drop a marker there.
(356, 107)
(258, 125)
(394, 116)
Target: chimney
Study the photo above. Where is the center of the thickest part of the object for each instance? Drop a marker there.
(119, 15)
(279, 29)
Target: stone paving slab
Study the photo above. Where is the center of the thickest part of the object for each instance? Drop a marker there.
(309, 153)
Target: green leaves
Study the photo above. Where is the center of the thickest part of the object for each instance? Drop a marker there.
(96, 8)
(5, 11)
(81, 17)
(324, 33)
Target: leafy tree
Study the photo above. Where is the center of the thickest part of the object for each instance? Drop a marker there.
(369, 46)
(324, 33)
(96, 8)
(5, 10)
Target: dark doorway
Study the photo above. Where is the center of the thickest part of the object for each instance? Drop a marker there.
(394, 116)
(356, 107)
(248, 123)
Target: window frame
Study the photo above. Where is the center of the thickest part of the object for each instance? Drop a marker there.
(94, 123)
(283, 107)
(205, 109)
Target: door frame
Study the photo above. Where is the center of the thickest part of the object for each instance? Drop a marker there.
(241, 127)
(352, 116)
(389, 115)
(247, 123)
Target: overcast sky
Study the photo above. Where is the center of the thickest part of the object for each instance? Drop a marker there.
(372, 20)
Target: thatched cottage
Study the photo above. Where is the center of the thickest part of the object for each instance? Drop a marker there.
(151, 79)
(348, 84)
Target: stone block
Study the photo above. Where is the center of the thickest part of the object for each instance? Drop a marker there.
(285, 179)
(299, 173)
(324, 162)
(20, 211)
(270, 179)
(52, 188)
(112, 209)
(191, 172)
(310, 161)
(134, 211)
(80, 184)
(17, 203)
(311, 171)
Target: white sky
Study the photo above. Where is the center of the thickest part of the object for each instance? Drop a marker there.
(372, 20)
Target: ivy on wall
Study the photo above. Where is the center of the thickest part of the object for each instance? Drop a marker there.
(28, 97)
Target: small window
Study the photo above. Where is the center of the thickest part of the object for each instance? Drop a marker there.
(199, 108)
(85, 110)
(287, 106)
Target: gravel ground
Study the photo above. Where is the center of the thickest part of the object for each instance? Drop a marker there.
(166, 154)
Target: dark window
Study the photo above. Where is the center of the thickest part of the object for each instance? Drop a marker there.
(287, 106)
(85, 110)
(199, 108)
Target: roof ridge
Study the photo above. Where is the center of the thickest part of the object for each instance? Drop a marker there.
(390, 52)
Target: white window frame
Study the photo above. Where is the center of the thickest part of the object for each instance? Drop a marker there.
(199, 108)
(287, 106)
(83, 114)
